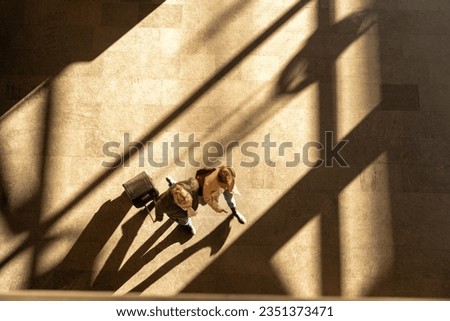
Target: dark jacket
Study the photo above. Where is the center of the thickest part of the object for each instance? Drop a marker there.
(166, 203)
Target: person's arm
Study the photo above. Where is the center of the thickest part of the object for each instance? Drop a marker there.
(212, 200)
(159, 209)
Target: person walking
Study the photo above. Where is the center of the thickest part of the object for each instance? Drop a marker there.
(216, 181)
(180, 203)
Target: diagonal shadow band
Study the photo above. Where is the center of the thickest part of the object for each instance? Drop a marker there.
(180, 110)
(39, 39)
(307, 67)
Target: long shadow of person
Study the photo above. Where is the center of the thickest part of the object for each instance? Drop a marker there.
(214, 240)
(75, 270)
(112, 276)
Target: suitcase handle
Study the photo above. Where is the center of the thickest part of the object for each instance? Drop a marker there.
(150, 213)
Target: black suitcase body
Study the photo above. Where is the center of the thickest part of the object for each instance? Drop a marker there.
(141, 190)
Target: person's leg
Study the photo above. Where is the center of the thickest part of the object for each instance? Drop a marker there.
(231, 201)
(229, 197)
(186, 223)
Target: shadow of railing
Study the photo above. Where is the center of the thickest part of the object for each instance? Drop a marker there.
(315, 193)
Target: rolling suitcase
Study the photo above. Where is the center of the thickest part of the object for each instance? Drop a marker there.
(141, 190)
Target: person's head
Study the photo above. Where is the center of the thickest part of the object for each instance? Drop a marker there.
(226, 177)
(181, 196)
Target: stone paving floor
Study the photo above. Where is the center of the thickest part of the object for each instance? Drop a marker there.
(333, 112)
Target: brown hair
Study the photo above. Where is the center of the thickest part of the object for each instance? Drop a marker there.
(181, 197)
(226, 175)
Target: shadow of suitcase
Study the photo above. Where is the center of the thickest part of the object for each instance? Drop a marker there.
(141, 190)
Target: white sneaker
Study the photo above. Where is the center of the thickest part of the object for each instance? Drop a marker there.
(241, 218)
(191, 229)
